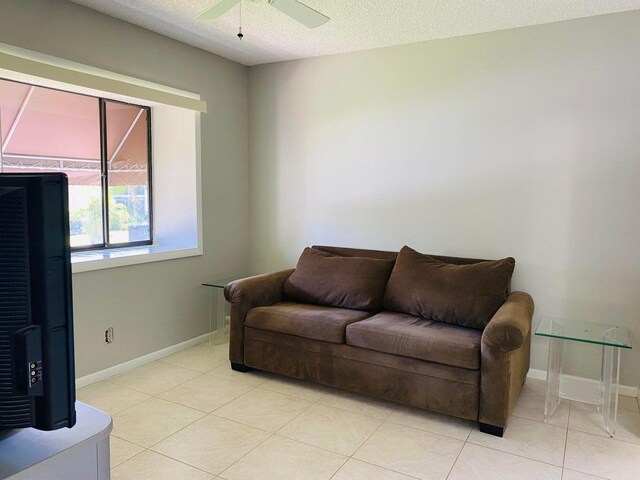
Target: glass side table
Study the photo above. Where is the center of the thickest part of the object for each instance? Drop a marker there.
(611, 338)
(218, 327)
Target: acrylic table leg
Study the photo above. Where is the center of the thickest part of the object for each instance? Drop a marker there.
(610, 383)
(210, 316)
(554, 369)
(222, 313)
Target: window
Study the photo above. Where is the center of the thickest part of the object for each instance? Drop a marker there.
(103, 146)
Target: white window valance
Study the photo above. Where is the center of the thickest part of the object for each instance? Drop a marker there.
(34, 65)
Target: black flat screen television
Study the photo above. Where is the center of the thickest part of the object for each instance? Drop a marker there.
(37, 375)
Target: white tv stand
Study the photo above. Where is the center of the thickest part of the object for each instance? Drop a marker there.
(78, 453)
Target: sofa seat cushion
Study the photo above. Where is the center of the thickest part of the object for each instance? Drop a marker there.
(315, 322)
(414, 337)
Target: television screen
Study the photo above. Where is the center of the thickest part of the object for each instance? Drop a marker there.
(37, 380)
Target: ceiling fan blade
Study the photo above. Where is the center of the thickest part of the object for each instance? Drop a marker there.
(217, 10)
(300, 12)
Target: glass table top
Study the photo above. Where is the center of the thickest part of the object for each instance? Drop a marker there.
(588, 332)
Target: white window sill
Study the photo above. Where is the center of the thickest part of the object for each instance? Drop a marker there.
(120, 257)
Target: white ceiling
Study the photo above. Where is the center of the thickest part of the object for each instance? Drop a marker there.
(271, 36)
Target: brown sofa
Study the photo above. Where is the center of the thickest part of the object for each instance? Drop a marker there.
(472, 373)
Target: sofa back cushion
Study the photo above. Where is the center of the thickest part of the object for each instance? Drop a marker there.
(388, 255)
(357, 252)
(348, 282)
(465, 295)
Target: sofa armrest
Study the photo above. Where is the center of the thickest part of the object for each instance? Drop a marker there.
(245, 294)
(505, 350)
(511, 324)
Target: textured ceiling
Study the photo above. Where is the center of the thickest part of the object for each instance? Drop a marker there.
(271, 36)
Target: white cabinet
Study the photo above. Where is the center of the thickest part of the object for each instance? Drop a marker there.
(78, 453)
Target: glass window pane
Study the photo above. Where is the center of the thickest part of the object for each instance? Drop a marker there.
(128, 172)
(85, 214)
(45, 130)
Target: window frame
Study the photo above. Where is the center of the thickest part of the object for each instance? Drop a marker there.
(104, 167)
(104, 162)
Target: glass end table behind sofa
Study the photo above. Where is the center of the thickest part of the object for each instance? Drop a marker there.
(218, 326)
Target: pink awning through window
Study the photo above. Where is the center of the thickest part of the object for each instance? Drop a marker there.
(51, 130)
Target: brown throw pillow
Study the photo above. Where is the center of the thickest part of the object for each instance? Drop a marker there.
(465, 295)
(349, 282)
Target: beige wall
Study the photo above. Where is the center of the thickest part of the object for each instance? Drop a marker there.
(523, 142)
(156, 305)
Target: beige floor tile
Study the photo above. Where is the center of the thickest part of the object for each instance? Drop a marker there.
(211, 444)
(358, 470)
(152, 466)
(330, 428)
(205, 392)
(628, 427)
(109, 397)
(352, 402)
(252, 378)
(530, 404)
(281, 458)
(602, 456)
(527, 438)
(433, 422)
(571, 475)
(121, 450)
(224, 345)
(200, 359)
(586, 418)
(152, 420)
(296, 388)
(410, 451)
(263, 409)
(480, 463)
(154, 378)
(411, 443)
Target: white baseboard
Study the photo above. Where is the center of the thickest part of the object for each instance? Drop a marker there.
(537, 374)
(625, 390)
(137, 362)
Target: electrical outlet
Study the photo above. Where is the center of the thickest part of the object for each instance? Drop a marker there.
(108, 335)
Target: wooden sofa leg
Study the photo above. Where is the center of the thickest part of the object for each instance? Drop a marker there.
(239, 367)
(491, 429)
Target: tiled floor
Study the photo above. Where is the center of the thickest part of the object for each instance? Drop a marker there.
(188, 416)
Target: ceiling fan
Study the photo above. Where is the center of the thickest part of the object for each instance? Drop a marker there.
(296, 10)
